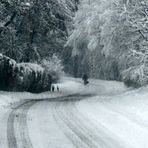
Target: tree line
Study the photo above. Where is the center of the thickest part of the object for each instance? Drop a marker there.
(36, 29)
(32, 38)
(109, 41)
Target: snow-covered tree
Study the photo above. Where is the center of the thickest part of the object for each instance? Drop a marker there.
(31, 29)
(124, 37)
(53, 64)
(85, 39)
(112, 36)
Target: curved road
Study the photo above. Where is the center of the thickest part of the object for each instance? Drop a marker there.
(55, 124)
(19, 113)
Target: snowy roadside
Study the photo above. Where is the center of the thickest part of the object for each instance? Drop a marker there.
(118, 110)
(68, 86)
(47, 113)
(124, 115)
(9, 98)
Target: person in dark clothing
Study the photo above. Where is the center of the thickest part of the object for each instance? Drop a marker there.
(85, 79)
(52, 88)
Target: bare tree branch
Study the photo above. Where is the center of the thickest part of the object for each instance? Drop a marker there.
(142, 35)
(11, 19)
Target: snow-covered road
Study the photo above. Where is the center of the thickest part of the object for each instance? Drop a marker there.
(114, 117)
(17, 129)
(83, 133)
(61, 125)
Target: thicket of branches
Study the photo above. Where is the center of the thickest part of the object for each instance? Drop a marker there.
(107, 39)
(110, 40)
(33, 29)
(33, 33)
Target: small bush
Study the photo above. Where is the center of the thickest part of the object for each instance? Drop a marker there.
(53, 65)
(136, 76)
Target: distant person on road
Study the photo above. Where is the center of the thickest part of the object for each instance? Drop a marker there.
(85, 79)
(52, 88)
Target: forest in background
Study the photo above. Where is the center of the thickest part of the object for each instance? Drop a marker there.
(32, 30)
(110, 40)
(32, 38)
(107, 39)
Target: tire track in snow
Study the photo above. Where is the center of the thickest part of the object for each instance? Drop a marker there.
(82, 129)
(11, 136)
(76, 141)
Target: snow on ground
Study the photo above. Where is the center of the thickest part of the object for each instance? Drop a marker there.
(119, 110)
(46, 133)
(125, 115)
(96, 87)
(68, 86)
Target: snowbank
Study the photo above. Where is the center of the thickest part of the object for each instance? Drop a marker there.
(4, 101)
(124, 115)
(120, 111)
(67, 86)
